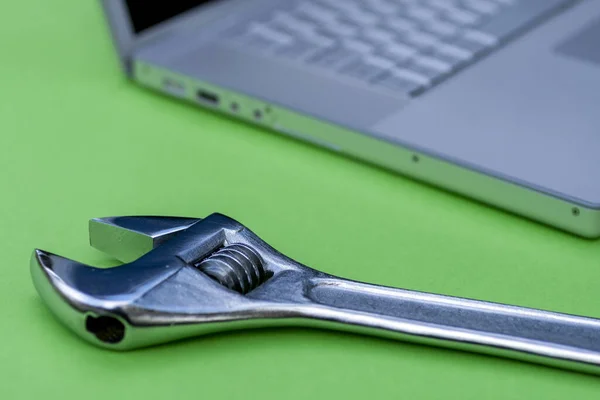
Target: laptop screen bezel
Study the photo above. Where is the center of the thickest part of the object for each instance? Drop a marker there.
(126, 40)
(145, 15)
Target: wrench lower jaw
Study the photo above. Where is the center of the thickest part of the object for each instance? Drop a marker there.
(99, 323)
(56, 294)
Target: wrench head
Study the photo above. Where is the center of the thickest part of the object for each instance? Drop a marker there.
(191, 273)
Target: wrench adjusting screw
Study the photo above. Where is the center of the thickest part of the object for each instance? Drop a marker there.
(237, 267)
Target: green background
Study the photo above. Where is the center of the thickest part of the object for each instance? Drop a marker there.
(78, 141)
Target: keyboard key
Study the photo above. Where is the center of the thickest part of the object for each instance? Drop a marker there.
(432, 64)
(292, 23)
(334, 58)
(472, 43)
(364, 70)
(298, 50)
(345, 7)
(409, 2)
(421, 14)
(506, 2)
(429, 67)
(358, 46)
(341, 29)
(317, 13)
(481, 37)
(440, 28)
(363, 18)
(432, 74)
(256, 42)
(398, 52)
(379, 36)
(400, 85)
(475, 48)
(412, 76)
(381, 7)
(451, 55)
(453, 61)
(319, 39)
(451, 51)
(380, 62)
(332, 36)
(420, 40)
(462, 17)
(482, 6)
(441, 5)
(400, 25)
(271, 34)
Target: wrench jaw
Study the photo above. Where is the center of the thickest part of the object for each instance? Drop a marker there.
(130, 237)
(55, 279)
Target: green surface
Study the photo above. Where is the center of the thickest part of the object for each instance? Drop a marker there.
(79, 141)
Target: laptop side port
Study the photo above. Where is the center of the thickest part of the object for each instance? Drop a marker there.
(207, 97)
(173, 87)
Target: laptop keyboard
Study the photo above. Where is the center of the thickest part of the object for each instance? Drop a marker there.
(404, 46)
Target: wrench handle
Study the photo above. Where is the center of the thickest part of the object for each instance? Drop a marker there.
(549, 338)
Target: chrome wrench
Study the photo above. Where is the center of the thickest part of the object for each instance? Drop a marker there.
(185, 277)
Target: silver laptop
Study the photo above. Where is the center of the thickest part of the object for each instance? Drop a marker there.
(498, 100)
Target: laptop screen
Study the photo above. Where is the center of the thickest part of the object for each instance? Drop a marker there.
(145, 14)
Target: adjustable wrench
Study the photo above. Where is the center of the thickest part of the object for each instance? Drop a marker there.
(185, 277)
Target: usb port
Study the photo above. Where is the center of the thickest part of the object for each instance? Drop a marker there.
(207, 97)
(174, 87)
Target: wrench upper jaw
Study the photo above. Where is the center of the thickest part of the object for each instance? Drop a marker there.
(128, 238)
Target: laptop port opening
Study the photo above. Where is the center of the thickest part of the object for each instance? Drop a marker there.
(207, 97)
